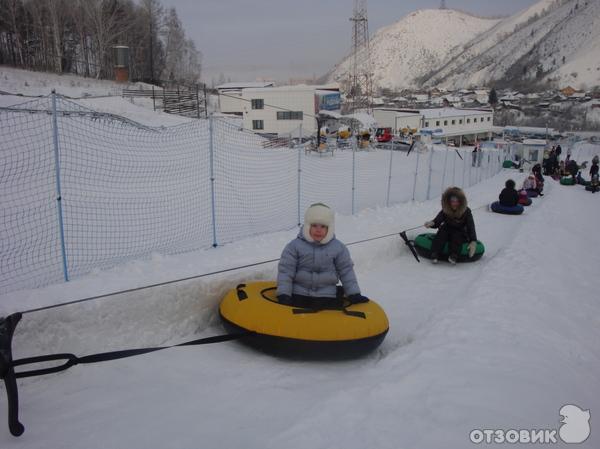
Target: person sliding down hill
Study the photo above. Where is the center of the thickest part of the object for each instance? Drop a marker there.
(312, 264)
(509, 196)
(455, 226)
(594, 182)
(539, 179)
(572, 168)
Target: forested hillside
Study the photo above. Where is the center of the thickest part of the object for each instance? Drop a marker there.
(77, 36)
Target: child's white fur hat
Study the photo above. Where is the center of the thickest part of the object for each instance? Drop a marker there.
(321, 214)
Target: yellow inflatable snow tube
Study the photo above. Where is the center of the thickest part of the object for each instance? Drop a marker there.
(347, 331)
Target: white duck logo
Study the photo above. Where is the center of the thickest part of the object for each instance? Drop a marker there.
(575, 424)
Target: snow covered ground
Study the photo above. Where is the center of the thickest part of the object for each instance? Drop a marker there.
(26, 82)
(498, 344)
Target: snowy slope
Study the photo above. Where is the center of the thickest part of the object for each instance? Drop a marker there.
(502, 343)
(414, 46)
(26, 82)
(541, 35)
(101, 95)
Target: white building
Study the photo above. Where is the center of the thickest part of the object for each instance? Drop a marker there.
(397, 119)
(445, 122)
(532, 150)
(455, 121)
(230, 95)
(281, 110)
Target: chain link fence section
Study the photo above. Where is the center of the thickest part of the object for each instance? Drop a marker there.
(30, 252)
(84, 190)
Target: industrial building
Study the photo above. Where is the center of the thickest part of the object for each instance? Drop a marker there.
(446, 123)
(282, 110)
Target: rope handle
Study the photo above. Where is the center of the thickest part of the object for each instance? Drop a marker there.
(9, 376)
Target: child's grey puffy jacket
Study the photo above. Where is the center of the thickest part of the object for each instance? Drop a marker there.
(313, 269)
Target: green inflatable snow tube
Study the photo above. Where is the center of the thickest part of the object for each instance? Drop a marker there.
(507, 164)
(567, 181)
(423, 244)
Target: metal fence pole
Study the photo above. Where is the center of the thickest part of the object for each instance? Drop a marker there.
(444, 173)
(300, 148)
(197, 101)
(470, 172)
(416, 175)
(211, 145)
(464, 169)
(429, 176)
(354, 177)
(205, 101)
(454, 167)
(59, 207)
(389, 184)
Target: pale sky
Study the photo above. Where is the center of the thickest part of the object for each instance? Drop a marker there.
(278, 39)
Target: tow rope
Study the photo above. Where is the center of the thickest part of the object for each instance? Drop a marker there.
(7, 364)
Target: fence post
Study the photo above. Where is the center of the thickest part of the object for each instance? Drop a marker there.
(464, 169)
(455, 154)
(445, 167)
(300, 148)
(153, 99)
(59, 207)
(197, 101)
(389, 185)
(470, 171)
(205, 100)
(416, 175)
(431, 150)
(211, 146)
(354, 177)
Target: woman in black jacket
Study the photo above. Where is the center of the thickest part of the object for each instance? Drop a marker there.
(509, 196)
(455, 226)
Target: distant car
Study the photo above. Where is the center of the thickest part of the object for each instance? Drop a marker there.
(384, 135)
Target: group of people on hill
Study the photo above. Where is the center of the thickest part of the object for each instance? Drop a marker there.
(552, 161)
(557, 168)
(314, 262)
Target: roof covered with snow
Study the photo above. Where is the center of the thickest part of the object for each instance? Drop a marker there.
(246, 85)
(451, 112)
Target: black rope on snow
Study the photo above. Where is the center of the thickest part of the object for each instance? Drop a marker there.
(7, 364)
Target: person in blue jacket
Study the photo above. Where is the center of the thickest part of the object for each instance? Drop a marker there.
(313, 263)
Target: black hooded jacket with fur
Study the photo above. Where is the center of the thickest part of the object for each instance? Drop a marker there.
(460, 219)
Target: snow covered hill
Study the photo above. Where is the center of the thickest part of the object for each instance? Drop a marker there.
(403, 52)
(556, 40)
(29, 83)
(551, 40)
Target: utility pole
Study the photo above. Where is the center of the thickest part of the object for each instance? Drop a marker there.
(361, 88)
(151, 50)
